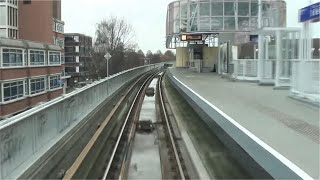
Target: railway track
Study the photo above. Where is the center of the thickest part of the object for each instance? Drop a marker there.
(177, 162)
(107, 154)
(101, 157)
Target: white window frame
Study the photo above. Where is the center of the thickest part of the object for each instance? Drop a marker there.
(59, 42)
(54, 26)
(40, 92)
(76, 38)
(44, 57)
(57, 25)
(16, 99)
(49, 81)
(10, 67)
(54, 64)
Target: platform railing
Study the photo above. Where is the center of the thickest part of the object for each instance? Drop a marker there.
(26, 137)
(246, 69)
(283, 73)
(196, 65)
(306, 80)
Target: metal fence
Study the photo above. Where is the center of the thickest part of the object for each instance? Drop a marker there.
(246, 69)
(283, 72)
(306, 80)
(26, 137)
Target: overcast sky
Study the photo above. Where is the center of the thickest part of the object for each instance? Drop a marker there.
(148, 17)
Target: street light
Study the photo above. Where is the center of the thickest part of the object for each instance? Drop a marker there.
(108, 57)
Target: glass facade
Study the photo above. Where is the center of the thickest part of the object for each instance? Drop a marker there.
(223, 15)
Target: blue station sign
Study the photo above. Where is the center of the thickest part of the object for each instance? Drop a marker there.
(311, 12)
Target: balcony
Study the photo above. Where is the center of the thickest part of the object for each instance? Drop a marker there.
(65, 75)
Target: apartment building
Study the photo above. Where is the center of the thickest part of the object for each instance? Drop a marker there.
(78, 59)
(32, 66)
(41, 21)
(30, 73)
(9, 18)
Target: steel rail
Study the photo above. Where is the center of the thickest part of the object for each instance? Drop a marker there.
(76, 165)
(123, 127)
(169, 129)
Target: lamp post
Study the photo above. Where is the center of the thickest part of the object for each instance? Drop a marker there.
(108, 57)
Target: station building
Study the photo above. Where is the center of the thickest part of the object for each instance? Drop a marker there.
(204, 32)
(245, 40)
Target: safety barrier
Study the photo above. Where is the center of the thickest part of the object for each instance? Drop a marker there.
(306, 80)
(246, 69)
(26, 137)
(276, 72)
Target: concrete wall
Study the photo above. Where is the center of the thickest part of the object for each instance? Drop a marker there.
(26, 137)
(210, 56)
(182, 57)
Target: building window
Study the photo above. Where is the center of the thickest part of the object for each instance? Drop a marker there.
(3, 32)
(55, 82)
(229, 8)
(36, 58)
(59, 42)
(243, 9)
(254, 9)
(77, 49)
(13, 90)
(12, 57)
(54, 58)
(26, 1)
(3, 16)
(229, 23)
(204, 9)
(217, 8)
(37, 85)
(76, 38)
(59, 28)
(62, 58)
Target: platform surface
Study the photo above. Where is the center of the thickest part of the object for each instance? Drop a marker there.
(287, 125)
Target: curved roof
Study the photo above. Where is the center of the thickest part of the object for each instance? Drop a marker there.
(221, 16)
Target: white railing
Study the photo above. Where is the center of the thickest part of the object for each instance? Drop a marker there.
(26, 137)
(196, 65)
(306, 80)
(246, 69)
(283, 72)
(268, 71)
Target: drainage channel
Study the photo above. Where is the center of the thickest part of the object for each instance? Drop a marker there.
(145, 159)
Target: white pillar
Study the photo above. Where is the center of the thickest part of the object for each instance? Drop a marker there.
(260, 42)
(278, 57)
(65, 86)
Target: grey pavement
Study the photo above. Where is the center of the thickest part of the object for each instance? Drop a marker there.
(288, 126)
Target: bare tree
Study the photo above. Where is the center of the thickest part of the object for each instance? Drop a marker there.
(113, 34)
(168, 56)
(159, 52)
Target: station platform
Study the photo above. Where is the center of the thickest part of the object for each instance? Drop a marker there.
(288, 126)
